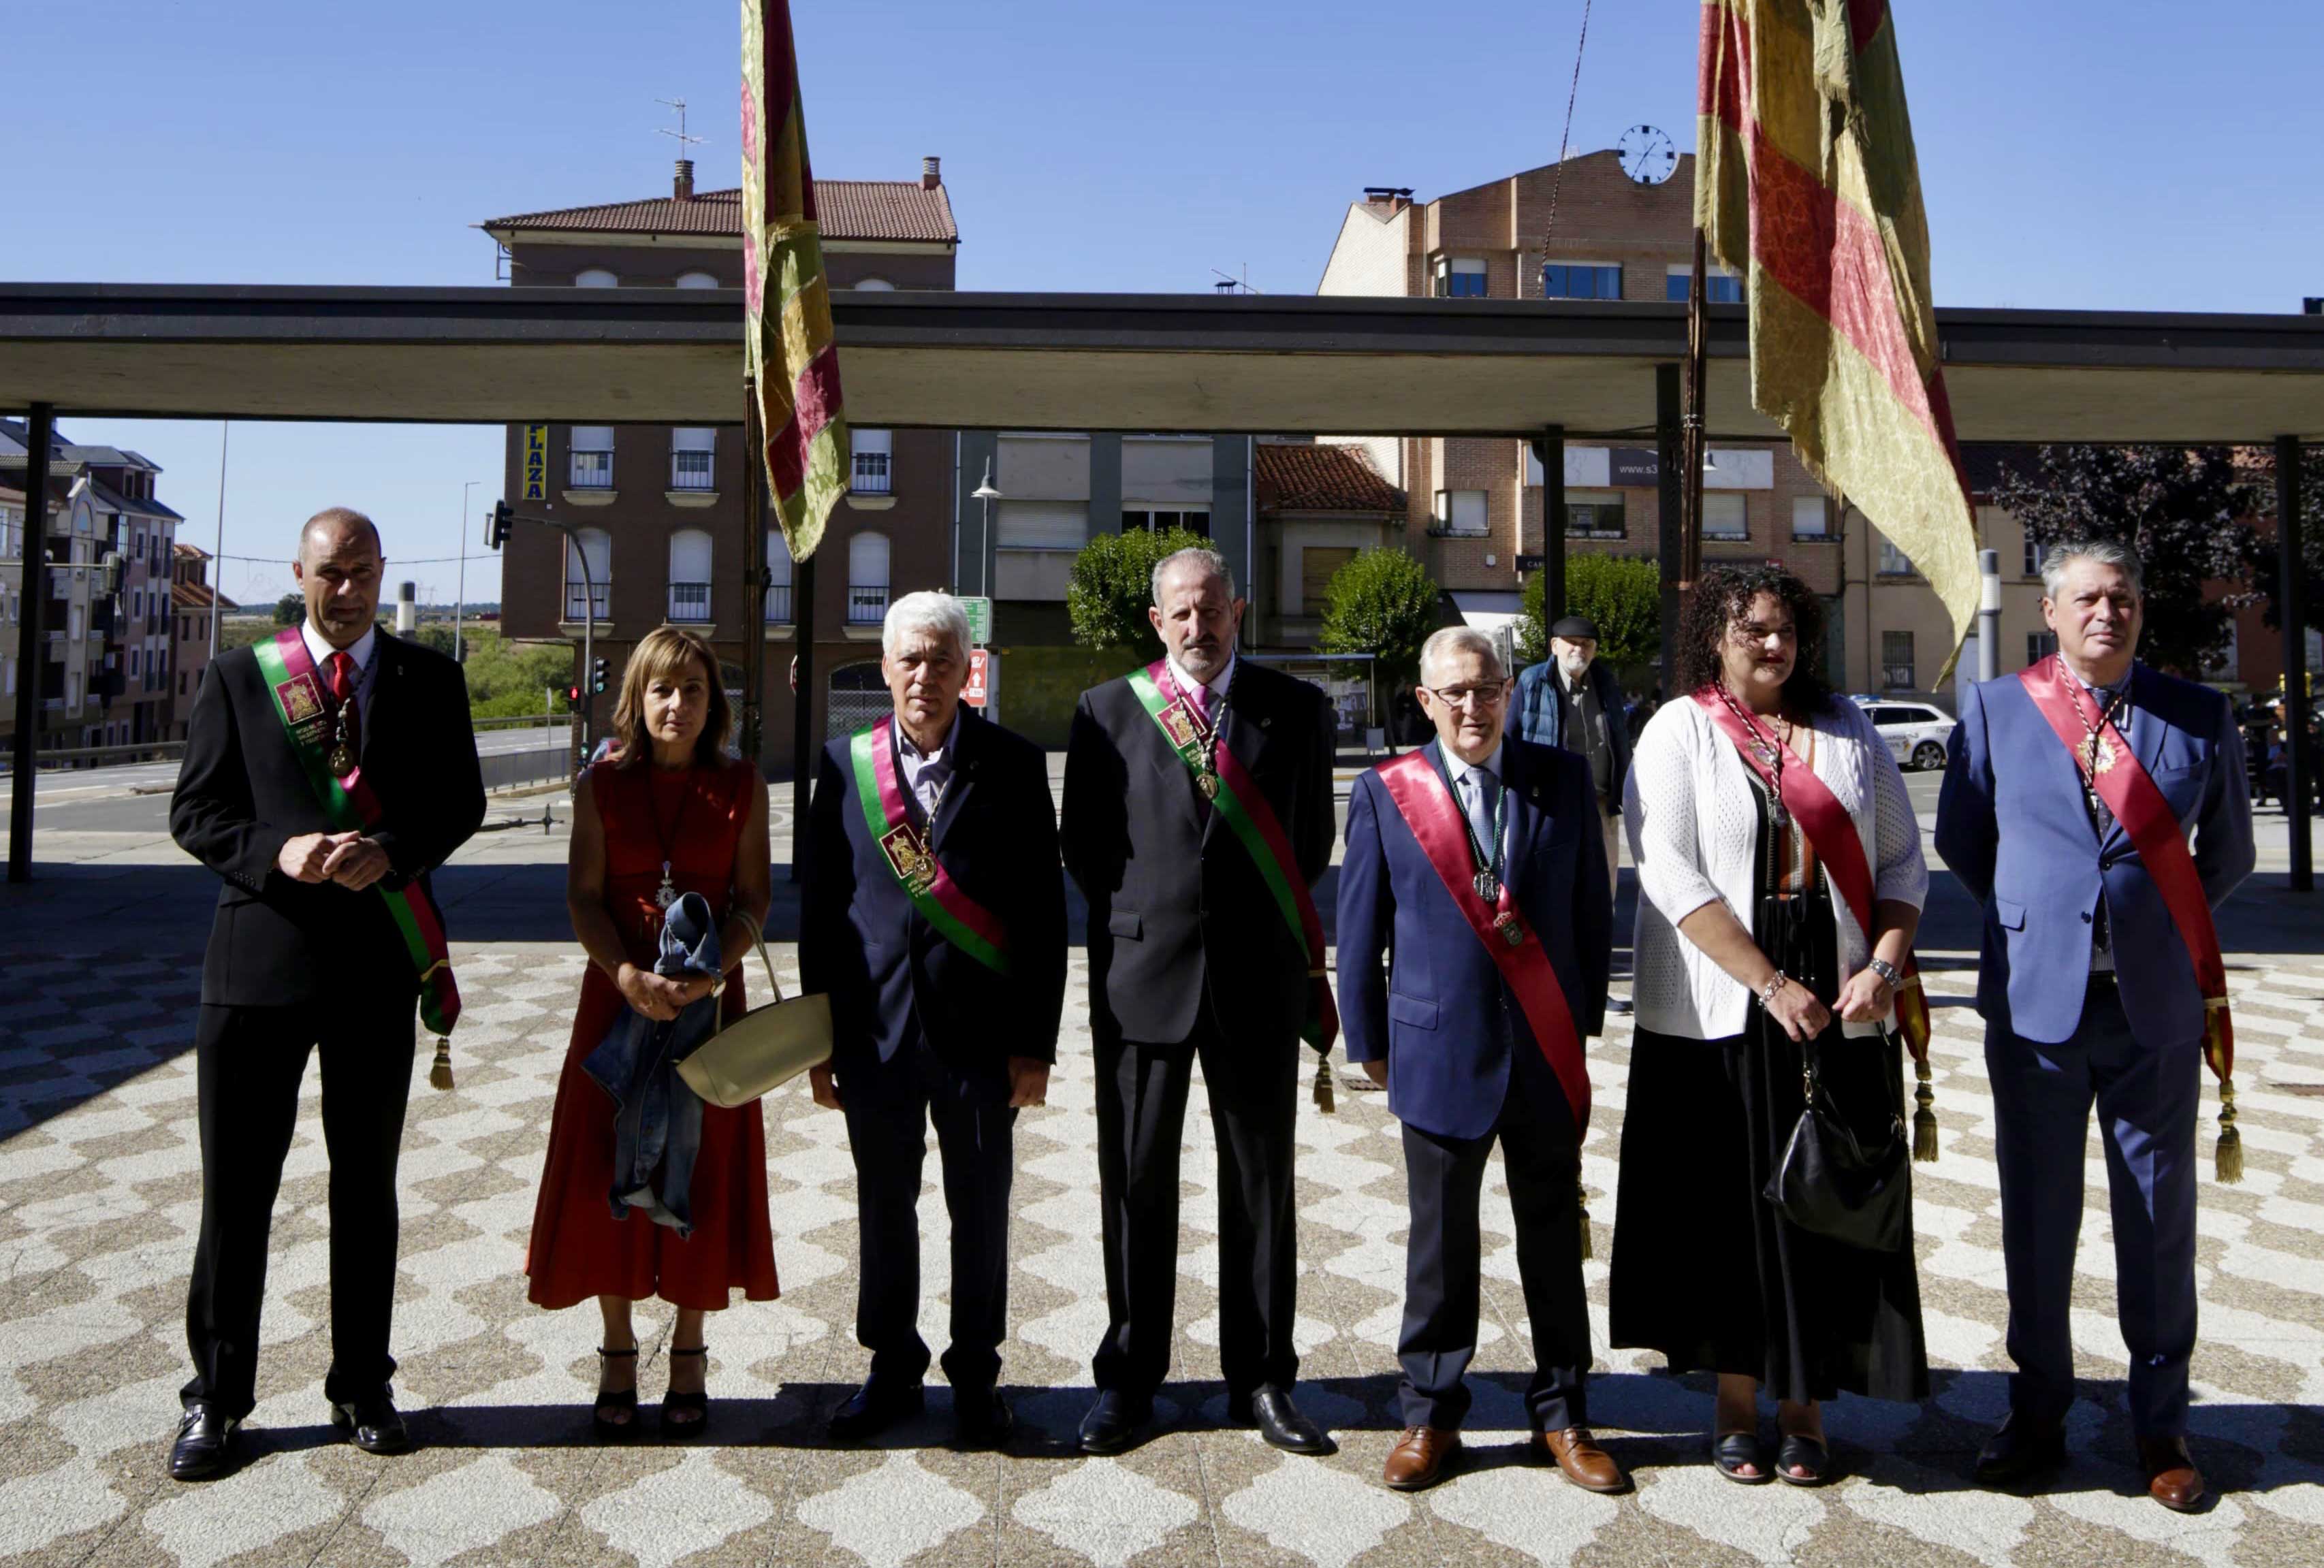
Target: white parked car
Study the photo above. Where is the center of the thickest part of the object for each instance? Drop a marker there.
(1918, 735)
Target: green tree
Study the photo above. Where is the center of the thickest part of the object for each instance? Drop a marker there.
(1112, 586)
(290, 610)
(1622, 593)
(1383, 601)
(2184, 509)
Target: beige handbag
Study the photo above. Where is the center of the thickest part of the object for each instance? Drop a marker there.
(764, 1049)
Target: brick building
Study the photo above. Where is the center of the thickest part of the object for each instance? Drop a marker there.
(193, 601)
(659, 510)
(109, 676)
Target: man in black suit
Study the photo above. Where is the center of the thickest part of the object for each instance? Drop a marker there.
(1192, 956)
(327, 773)
(939, 935)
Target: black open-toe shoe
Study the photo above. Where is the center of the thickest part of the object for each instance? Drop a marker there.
(686, 1415)
(1798, 1450)
(1731, 1451)
(609, 1402)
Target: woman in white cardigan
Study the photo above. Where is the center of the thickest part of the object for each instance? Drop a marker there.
(1746, 959)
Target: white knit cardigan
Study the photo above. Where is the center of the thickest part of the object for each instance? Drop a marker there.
(1693, 827)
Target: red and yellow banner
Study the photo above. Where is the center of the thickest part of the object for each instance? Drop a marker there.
(787, 340)
(1806, 186)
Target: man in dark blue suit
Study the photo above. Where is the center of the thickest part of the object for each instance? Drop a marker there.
(1476, 867)
(2089, 990)
(934, 916)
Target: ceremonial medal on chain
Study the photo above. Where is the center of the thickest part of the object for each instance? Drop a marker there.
(667, 894)
(1207, 782)
(2097, 755)
(1489, 887)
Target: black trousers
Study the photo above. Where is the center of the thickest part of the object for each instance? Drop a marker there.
(1442, 1258)
(1141, 1114)
(889, 1110)
(248, 1064)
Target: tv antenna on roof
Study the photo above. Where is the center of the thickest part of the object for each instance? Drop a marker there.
(679, 135)
(1229, 284)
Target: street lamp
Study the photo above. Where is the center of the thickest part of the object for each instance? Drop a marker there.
(987, 494)
(460, 604)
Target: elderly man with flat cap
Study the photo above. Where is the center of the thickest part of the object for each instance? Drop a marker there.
(1574, 701)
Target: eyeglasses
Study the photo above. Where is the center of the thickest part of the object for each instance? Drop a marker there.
(1489, 695)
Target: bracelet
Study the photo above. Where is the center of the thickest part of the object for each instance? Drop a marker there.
(1886, 971)
(1767, 991)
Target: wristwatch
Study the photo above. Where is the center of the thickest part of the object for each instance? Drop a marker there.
(1886, 971)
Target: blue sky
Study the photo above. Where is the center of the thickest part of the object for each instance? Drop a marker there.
(2074, 153)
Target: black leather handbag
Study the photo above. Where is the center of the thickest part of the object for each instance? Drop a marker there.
(1834, 1181)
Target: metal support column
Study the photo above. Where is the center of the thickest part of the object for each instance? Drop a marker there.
(2296, 757)
(1549, 451)
(803, 749)
(30, 640)
(1670, 503)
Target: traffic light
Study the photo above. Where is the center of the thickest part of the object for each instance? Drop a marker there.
(598, 671)
(572, 698)
(497, 523)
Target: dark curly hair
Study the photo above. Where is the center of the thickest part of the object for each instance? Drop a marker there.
(1724, 596)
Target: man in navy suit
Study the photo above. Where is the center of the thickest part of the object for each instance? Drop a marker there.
(933, 917)
(1476, 867)
(2089, 990)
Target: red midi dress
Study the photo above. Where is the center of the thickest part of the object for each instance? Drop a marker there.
(578, 1250)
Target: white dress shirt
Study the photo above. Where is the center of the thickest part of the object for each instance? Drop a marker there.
(362, 651)
(1213, 692)
(925, 774)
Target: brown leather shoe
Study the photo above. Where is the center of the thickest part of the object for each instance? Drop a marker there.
(1576, 1453)
(2172, 1478)
(1416, 1462)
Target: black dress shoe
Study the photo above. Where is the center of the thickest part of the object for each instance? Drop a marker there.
(2021, 1450)
(1279, 1422)
(372, 1424)
(1115, 1423)
(981, 1418)
(877, 1405)
(205, 1445)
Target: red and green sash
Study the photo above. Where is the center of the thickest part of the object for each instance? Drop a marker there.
(1833, 832)
(350, 806)
(1253, 820)
(960, 919)
(2122, 781)
(1437, 821)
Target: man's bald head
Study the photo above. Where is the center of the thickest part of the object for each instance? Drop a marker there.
(327, 528)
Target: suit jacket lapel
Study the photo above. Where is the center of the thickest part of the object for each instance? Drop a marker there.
(386, 679)
(2146, 728)
(1247, 735)
(963, 780)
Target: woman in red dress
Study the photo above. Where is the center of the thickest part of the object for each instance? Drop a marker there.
(668, 810)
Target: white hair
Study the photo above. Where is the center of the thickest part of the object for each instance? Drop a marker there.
(1211, 563)
(1445, 638)
(2103, 552)
(926, 611)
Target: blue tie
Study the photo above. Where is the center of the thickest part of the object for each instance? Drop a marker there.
(1484, 793)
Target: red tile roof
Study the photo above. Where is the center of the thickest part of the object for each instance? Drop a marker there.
(849, 209)
(196, 597)
(1321, 478)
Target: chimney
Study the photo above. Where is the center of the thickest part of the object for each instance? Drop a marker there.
(929, 178)
(407, 609)
(682, 185)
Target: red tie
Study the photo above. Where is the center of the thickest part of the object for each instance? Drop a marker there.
(343, 694)
(1200, 696)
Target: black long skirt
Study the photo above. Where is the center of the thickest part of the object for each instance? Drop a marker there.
(1705, 1270)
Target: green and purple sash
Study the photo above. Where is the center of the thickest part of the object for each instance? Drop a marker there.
(350, 806)
(1253, 820)
(960, 919)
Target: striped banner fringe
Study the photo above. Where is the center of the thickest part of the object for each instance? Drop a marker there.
(789, 348)
(1807, 188)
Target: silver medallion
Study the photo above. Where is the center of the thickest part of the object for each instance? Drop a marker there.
(665, 895)
(1489, 887)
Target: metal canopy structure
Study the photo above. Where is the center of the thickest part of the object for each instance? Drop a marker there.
(1258, 365)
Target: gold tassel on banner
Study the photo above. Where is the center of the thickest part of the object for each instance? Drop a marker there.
(1324, 1099)
(2228, 1159)
(1581, 1202)
(439, 1074)
(1924, 1119)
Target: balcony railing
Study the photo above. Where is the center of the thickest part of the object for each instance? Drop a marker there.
(866, 606)
(690, 471)
(593, 471)
(871, 476)
(689, 602)
(577, 597)
(778, 605)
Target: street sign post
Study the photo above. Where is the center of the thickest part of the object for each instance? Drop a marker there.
(979, 621)
(984, 681)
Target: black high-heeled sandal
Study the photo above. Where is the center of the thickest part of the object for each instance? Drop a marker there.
(1731, 1451)
(686, 1415)
(608, 1400)
(1798, 1450)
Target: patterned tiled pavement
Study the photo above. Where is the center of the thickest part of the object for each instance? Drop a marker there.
(99, 1194)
